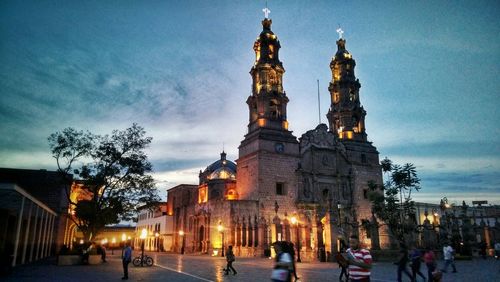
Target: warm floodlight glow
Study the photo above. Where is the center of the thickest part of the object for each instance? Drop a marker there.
(181, 233)
(124, 237)
(220, 227)
(294, 220)
(144, 233)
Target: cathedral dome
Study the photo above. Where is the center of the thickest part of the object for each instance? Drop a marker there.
(223, 173)
(220, 169)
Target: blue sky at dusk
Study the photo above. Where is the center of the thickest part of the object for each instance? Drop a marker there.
(429, 74)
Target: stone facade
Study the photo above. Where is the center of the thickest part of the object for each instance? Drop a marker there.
(311, 191)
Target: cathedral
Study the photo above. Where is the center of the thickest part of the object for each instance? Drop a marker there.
(310, 190)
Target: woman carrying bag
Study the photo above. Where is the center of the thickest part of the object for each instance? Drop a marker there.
(284, 264)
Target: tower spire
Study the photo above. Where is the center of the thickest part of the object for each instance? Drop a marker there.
(346, 116)
(267, 104)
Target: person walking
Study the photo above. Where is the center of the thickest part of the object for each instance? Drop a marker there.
(283, 268)
(497, 250)
(230, 258)
(402, 262)
(360, 261)
(342, 262)
(103, 253)
(291, 249)
(416, 259)
(430, 262)
(126, 259)
(448, 258)
(343, 265)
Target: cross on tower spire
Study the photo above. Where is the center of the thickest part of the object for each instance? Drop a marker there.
(266, 12)
(340, 32)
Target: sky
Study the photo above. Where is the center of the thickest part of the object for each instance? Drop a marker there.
(429, 74)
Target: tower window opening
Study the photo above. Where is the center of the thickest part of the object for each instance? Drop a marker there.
(280, 188)
(274, 109)
(363, 158)
(271, 51)
(325, 193)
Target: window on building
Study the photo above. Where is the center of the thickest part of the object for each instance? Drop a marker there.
(363, 158)
(280, 188)
(325, 194)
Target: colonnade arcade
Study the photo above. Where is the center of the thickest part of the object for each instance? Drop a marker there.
(252, 236)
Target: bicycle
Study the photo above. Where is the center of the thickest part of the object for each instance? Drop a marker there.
(147, 260)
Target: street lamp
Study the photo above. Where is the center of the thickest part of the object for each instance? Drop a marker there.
(220, 228)
(113, 244)
(339, 207)
(157, 241)
(296, 223)
(443, 204)
(144, 234)
(181, 233)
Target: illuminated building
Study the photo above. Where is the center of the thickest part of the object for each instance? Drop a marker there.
(320, 179)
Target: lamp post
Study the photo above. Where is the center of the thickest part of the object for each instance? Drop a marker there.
(144, 234)
(181, 233)
(157, 241)
(220, 228)
(339, 207)
(113, 244)
(443, 204)
(296, 223)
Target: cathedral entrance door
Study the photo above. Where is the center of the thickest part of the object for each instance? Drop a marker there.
(201, 238)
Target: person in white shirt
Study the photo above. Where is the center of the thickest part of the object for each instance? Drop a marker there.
(497, 250)
(448, 257)
(283, 268)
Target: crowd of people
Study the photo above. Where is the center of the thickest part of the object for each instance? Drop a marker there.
(355, 262)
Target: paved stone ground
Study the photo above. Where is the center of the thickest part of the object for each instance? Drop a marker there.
(191, 268)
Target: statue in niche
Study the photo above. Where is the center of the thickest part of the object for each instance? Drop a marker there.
(275, 110)
(355, 124)
(344, 191)
(352, 95)
(307, 187)
(325, 161)
(272, 77)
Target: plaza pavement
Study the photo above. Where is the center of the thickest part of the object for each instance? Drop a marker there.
(195, 268)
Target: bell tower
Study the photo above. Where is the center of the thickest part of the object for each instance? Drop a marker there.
(269, 153)
(346, 115)
(267, 104)
(346, 118)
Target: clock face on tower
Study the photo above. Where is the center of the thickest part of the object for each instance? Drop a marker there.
(279, 148)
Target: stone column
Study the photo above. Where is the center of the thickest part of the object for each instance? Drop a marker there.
(26, 233)
(34, 241)
(18, 231)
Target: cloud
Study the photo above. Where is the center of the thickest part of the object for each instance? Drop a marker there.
(474, 149)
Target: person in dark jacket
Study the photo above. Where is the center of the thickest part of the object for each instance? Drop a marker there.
(402, 262)
(126, 259)
(230, 258)
(416, 260)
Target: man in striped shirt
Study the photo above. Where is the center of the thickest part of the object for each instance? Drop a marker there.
(360, 261)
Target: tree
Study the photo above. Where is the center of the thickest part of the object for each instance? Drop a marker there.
(398, 214)
(113, 171)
